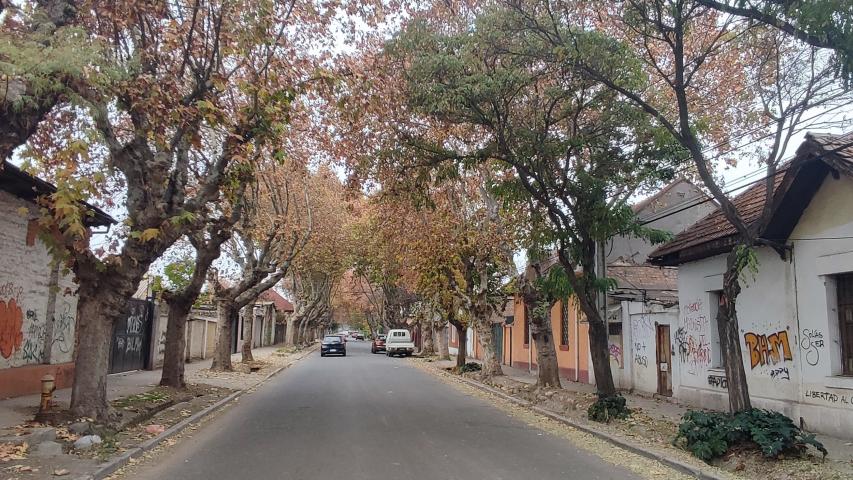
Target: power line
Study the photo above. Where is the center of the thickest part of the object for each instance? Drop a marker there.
(709, 199)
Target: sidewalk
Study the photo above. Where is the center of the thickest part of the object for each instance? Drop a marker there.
(839, 449)
(18, 410)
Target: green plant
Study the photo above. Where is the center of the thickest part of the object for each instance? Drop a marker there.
(706, 435)
(470, 367)
(608, 407)
(709, 435)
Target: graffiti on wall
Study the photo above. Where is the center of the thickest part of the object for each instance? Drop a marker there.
(33, 346)
(829, 397)
(768, 349)
(811, 344)
(640, 357)
(615, 353)
(780, 373)
(63, 336)
(642, 324)
(718, 381)
(691, 338)
(11, 319)
(161, 344)
(693, 351)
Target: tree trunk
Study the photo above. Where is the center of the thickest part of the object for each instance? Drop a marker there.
(491, 365)
(461, 351)
(727, 325)
(97, 312)
(222, 353)
(443, 347)
(428, 347)
(248, 334)
(175, 351)
(600, 352)
(546, 354)
(290, 332)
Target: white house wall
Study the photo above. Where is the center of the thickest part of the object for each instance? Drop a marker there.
(765, 313)
(639, 326)
(788, 325)
(826, 397)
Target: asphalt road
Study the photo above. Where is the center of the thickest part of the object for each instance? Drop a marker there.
(367, 416)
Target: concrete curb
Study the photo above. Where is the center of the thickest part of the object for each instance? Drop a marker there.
(677, 465)
(112, 465)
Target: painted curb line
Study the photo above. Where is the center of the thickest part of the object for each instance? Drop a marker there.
(677, 465)
(111, 466)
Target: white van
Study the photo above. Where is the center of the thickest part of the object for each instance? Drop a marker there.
(399, 342)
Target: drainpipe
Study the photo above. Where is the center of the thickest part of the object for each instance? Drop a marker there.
(797, 335)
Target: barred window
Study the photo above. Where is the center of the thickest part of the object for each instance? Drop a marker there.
(564, 322)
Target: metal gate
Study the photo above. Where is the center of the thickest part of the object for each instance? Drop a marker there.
(132, 338)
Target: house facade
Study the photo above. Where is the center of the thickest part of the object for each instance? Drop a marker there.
(38, 303)
(645, 296)
(795, 313)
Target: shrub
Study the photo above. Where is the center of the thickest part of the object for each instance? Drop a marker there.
(709, 435)
(608, 407)
(470, 367)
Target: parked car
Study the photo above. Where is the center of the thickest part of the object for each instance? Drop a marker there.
(333, 345)
(399, 342)
(378, 344)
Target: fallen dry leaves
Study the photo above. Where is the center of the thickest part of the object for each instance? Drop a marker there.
(9, 452)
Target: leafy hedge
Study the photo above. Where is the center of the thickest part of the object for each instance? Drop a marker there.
(608, 407)
(709, 435)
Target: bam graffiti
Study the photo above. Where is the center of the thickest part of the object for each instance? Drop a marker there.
(768, 349)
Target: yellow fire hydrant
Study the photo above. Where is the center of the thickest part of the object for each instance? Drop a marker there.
(48, 385)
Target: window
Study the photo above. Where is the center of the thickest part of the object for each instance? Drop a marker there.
(844, 286)
(526, 325)
(564, 322)
(717, 298)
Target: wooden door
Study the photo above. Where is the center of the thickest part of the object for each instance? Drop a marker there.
(664, 361)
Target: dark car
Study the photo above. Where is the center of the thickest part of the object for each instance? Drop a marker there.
(333, 345)
(378, 344)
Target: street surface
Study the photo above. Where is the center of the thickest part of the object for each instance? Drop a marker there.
(368, 417)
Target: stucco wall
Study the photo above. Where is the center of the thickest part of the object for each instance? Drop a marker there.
(639, 328)
(37, 302)
(821, 251)
(766, 317)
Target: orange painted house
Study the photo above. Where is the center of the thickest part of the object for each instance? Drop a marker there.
(571, 340)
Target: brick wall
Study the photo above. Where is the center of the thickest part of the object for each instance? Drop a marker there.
(37, 305)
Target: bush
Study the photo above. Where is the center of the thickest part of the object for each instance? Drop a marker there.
(470, 367)
(607, 408)
(709, 435)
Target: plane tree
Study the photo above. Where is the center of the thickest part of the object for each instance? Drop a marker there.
(578, 151)
(724, 87)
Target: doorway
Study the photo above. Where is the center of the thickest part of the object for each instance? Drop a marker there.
(664, 361)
